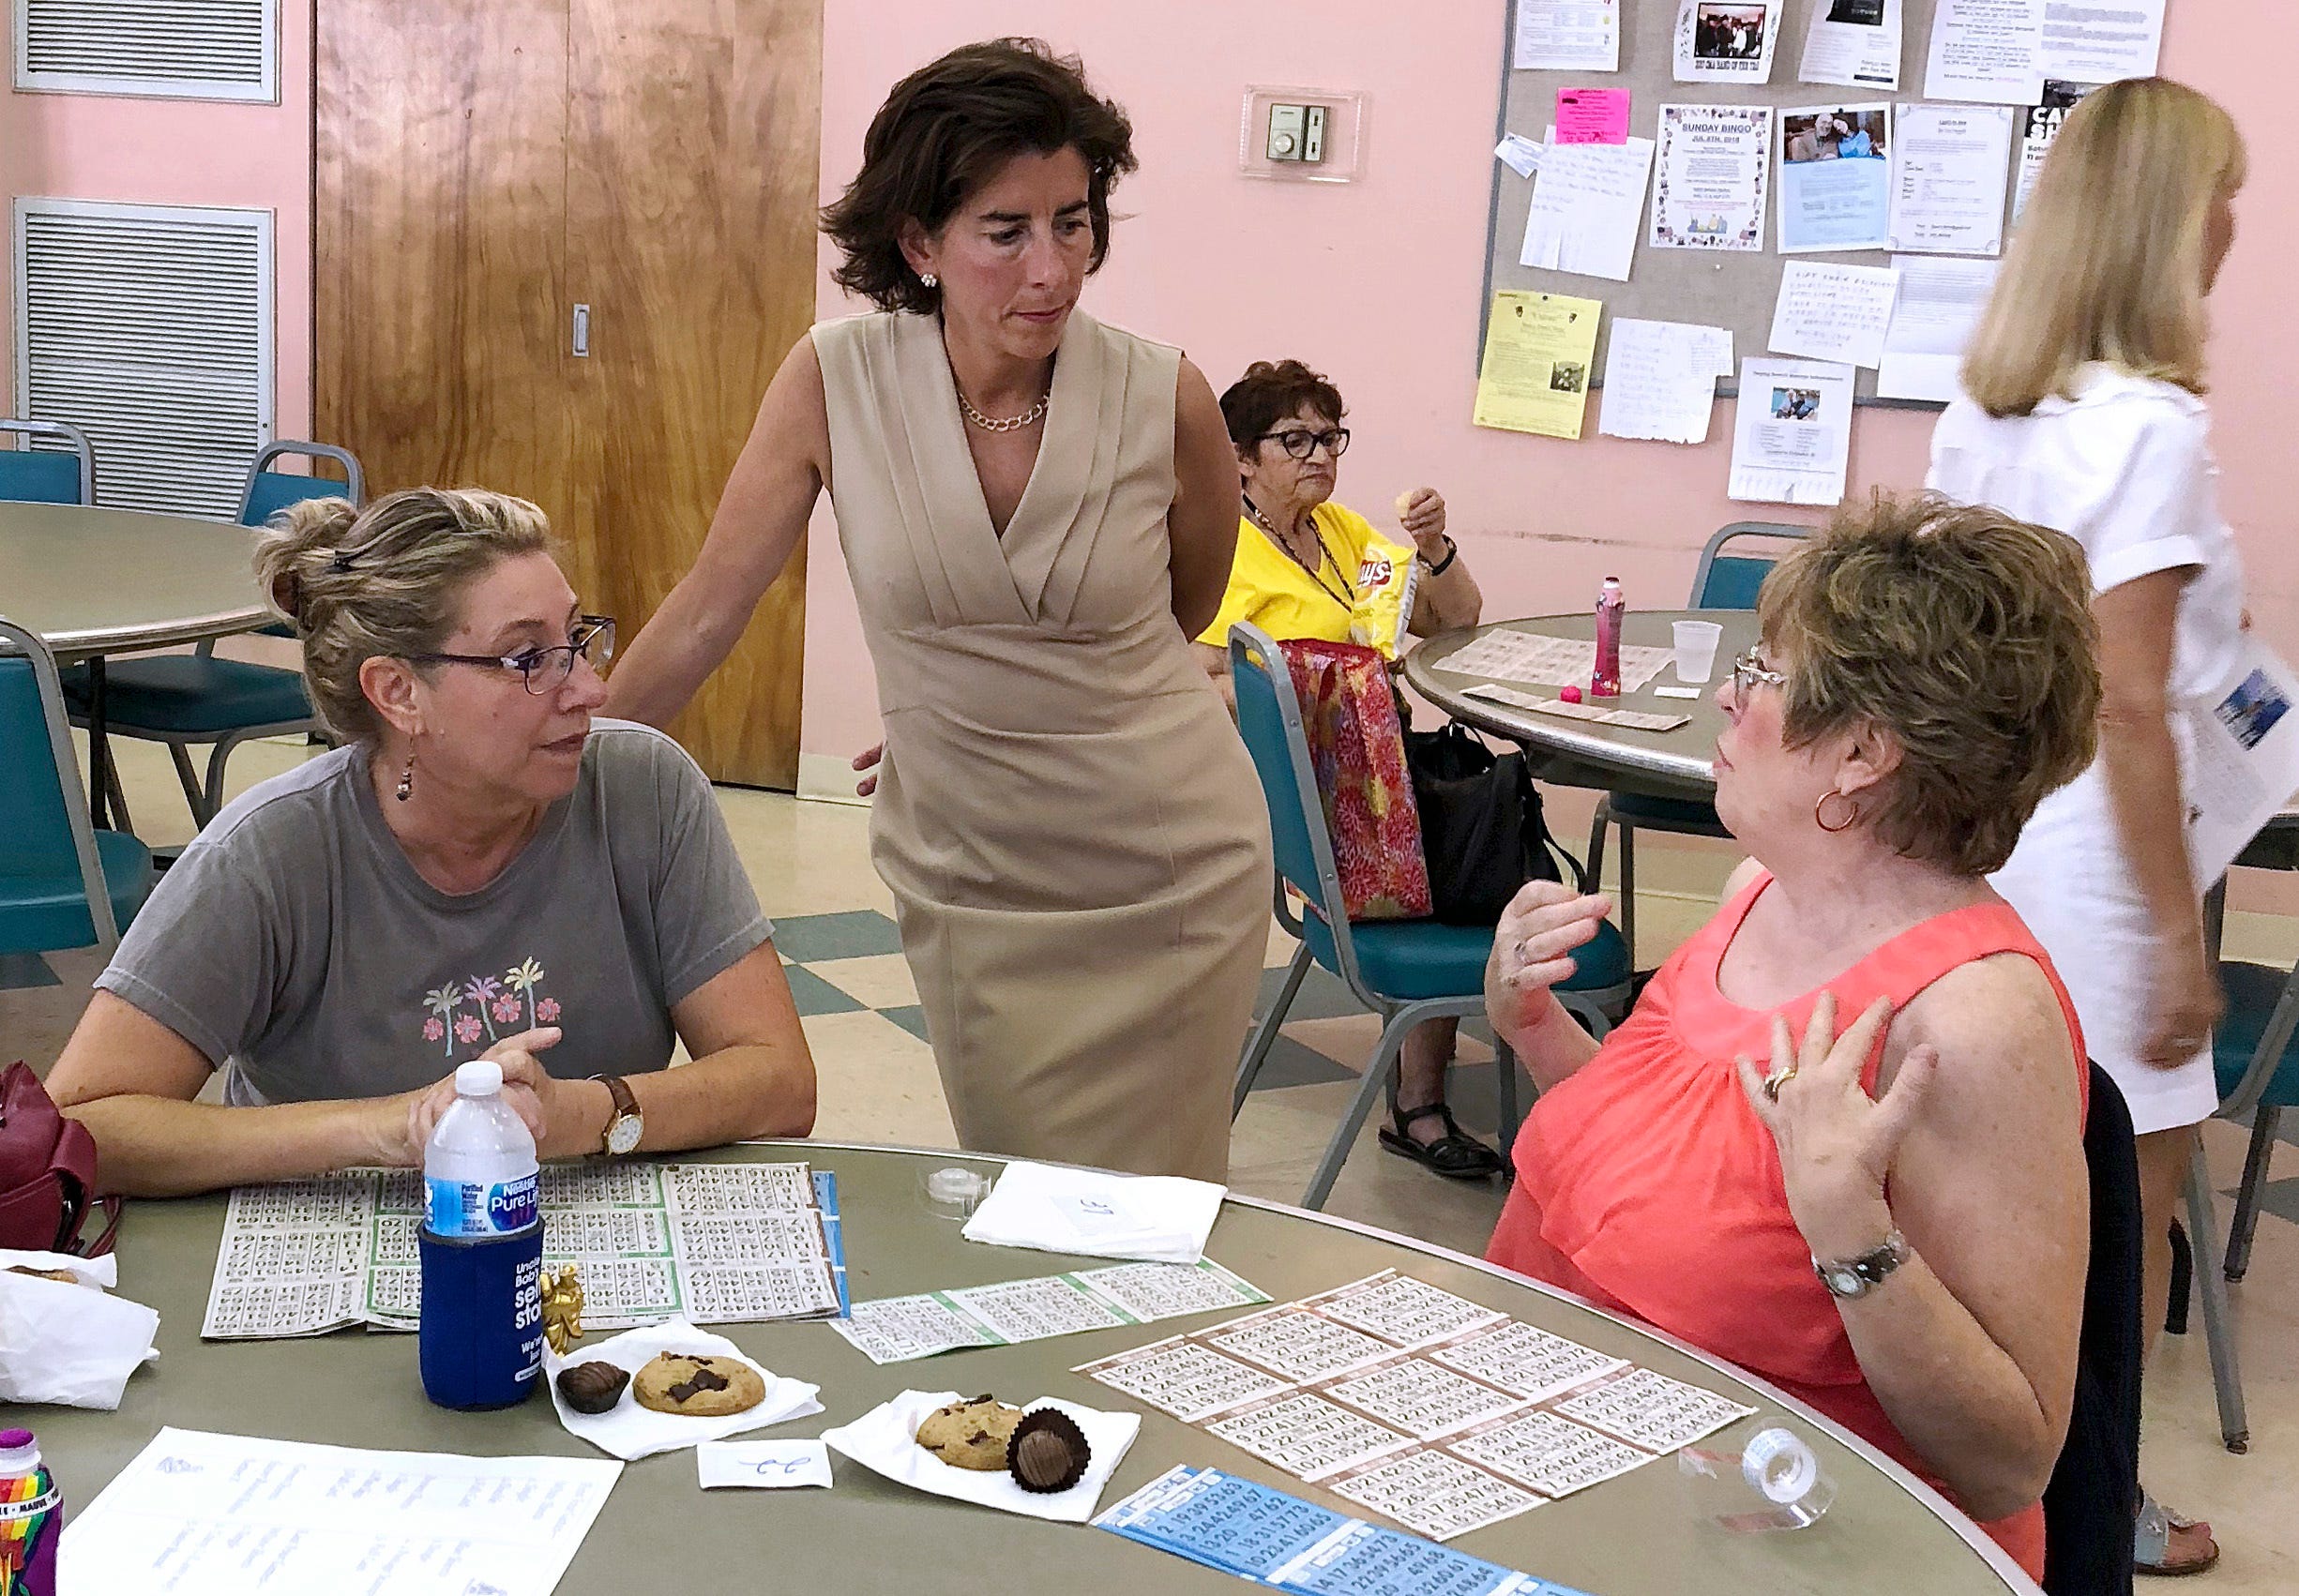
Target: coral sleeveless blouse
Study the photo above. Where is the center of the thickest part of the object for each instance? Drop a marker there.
(1646, 1184)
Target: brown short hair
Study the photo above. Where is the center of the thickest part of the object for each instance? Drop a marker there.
(950, 128)
(1965, 635)
(383, 582)
(1272, 390)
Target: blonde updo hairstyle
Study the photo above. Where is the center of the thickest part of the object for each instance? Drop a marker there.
(387, 581)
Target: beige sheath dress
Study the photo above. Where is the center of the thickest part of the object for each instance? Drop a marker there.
(1070, 825)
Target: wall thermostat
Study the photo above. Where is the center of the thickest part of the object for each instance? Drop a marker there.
(1316, 134)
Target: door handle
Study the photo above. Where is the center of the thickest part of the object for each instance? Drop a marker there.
(583, 330)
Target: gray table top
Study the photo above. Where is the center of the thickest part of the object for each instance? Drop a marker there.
(1584, 753)
(92, 580)
(1632, 1536)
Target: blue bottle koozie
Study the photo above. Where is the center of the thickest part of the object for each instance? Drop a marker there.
(481, 1340)
(481, 1242)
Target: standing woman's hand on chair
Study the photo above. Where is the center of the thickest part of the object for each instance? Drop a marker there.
(1532, 952)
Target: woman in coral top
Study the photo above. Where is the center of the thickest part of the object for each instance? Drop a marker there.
(1888, 1221)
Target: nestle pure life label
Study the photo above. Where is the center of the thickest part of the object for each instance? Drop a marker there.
(467, 1208)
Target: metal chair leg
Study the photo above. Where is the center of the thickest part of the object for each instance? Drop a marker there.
(1627, 905)
(1505, 1072)
(1377, 1072)
(2226, 1372)
(118, 796)
(1597, 844)
(188, 779)
(1265, 1034)
(2264, 1124)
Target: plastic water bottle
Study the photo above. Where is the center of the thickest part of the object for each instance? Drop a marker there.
(481, 1242)
(1605, 683)
(1774, 1482)
(31, 1519)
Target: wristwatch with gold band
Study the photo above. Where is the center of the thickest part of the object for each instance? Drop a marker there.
(1849, 1278)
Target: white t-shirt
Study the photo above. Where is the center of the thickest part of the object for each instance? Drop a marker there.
(2126, 469)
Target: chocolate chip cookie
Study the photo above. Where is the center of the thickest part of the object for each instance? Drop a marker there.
(971, 1435)
(698, 1386)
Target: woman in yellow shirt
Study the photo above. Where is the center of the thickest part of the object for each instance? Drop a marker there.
(1300, 571)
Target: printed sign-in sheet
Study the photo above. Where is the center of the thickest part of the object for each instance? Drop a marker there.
(714, 1244)
(1423, 1406)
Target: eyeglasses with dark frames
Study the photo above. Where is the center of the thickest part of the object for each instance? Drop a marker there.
(1748, 669)
(1300, 443)
(543, 670)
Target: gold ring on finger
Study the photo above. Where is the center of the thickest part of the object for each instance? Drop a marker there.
(1774, 1082)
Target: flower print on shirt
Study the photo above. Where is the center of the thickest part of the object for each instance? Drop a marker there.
(474, 1011)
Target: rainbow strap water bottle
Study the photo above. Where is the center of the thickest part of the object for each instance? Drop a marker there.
(31, 1516)
(1606, 681)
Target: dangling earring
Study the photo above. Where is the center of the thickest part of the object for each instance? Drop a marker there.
(1851, 814)
(928, 279)
(406, 789)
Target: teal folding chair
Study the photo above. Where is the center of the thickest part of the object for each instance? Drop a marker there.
(187, 700)
(31, 475)
(1723, 580)
(1404, 970)
(63, 884)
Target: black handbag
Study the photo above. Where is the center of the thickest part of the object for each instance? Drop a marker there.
(1482, 830)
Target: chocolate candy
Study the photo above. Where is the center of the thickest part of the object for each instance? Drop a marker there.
(1049, 1452)
(593, 1387)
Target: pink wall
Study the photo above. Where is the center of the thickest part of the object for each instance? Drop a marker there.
(1377, 283)
(168, 151)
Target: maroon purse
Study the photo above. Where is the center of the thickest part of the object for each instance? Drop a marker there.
(47, 1173)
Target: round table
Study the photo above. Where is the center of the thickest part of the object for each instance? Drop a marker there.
(1586, 753)
(91, 582)
(1631, 1536)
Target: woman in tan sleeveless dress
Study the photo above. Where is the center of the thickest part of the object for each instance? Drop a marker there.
(1038, 512)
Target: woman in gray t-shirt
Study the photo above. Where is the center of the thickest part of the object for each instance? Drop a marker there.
(481, 871)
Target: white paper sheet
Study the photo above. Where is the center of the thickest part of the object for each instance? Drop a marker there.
(1940, 302)
(1833, 312)
(1576, 36)
(1409, 1312)
(2098, 41)
(1434, 1494)
(1792, 434)
(67, 1342)
(1712, 168)
(1586, 205)
(1835, 178)
(1300, 1345)
(1653, 1411)
(1990, 51)
(1555, 1456)
(1660, 380)
(1190, 1382)
(1855, 42)
(1949, 169)
(188, 1512)
(632, 1431)
(893, 1329)
(2242, 766)
(1520, 153)
(1528, 1361)
(1727, 41)
(1090, 1213)
(762, 1466)
(886, 1441)
(1552, 662)
(1309, 1437)
(1422, 1398)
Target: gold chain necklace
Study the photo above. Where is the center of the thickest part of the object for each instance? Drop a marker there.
(1003, 424)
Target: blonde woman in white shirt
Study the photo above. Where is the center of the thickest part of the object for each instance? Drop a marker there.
(2083, 410)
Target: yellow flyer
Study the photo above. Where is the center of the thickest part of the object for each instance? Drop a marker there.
(1535, 374)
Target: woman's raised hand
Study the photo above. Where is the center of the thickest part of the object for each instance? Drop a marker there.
(1532, 951)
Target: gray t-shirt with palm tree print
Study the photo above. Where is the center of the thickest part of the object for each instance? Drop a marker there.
(294, 945)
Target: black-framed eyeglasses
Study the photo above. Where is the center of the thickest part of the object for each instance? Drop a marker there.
(1748, 669)
(543, 669)
(1300, 443)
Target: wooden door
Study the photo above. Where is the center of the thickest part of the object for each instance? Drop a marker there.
(484, 166)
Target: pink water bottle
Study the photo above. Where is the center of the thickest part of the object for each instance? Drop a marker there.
(1611, 606)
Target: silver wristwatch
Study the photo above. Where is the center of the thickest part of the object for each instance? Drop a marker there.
(1857, 1276)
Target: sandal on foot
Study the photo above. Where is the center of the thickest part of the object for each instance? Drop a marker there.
(2151, 1543)
(1456, 1154)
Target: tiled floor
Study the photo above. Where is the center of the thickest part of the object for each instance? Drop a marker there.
(836, 931)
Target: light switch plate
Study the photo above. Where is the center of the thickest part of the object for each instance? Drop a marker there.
(1287, 125)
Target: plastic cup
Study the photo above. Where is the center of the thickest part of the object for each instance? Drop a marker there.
(1695, 650)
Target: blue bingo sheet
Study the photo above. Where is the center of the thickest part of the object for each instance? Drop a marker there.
(1274, 1539)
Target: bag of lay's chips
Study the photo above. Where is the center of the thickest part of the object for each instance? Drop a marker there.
(1387, 576)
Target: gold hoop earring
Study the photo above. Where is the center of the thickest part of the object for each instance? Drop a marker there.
(1819, 819)
(406, 788)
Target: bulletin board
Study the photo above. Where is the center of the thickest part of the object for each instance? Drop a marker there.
(1723, 290)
